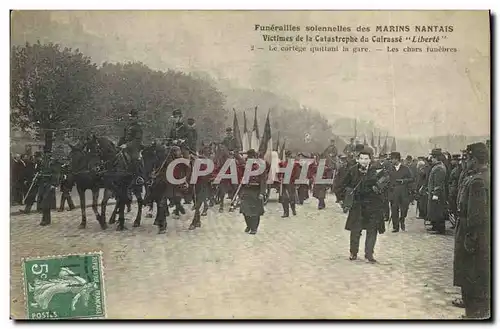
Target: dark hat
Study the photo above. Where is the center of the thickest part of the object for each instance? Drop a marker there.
(229, 129)
(409, 157)
(332, 140)
(133, 113)
(365, 150)
(190, 120)
(456, 157)
(251, 152)
(396, 155)
(436, 152)
(478, 150)
(38, 154)
(176, 112)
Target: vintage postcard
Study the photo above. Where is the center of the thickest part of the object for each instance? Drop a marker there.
(250, 165)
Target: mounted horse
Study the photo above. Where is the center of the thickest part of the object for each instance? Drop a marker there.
(85, 170)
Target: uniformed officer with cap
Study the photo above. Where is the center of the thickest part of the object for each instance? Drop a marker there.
(436, 191)
(287, 188)
(229, 141)
(132, 140)
(456, 170)
(252, 197)
(472, 256)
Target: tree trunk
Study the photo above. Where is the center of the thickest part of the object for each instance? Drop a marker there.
(49, 137)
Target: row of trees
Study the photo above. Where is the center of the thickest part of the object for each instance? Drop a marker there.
(55, 89)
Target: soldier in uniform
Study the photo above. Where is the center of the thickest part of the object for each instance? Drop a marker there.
(202, 188)
(192, 135)
(252, 198)
(399, 192)
(331, 150)
(350, 148)
(132, 141)
(180, 130)
(287, 188)
(364, 184)
(472, 239)
(436, 192)
(66, 186)
(49, 178)
(339, 177)
(456, 170)
(229, 141)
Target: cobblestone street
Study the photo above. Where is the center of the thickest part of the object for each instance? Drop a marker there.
(293, 268)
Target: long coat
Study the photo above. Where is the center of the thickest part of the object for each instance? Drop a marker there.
(251, 204)
(471, 264)
(367, 210)
(436, 186)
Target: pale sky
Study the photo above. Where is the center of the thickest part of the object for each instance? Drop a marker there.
(411, 94)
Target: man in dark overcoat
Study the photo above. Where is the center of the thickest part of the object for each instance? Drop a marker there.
(365, 183)
(472, 257)
(436, 192)
(252, 197)
(399, 192)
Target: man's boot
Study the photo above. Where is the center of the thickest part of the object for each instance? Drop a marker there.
(293, 209)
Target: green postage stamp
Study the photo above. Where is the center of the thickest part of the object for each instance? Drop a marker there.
(64, 287)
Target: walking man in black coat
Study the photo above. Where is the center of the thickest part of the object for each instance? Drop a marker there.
(399, 193)
(365, 184)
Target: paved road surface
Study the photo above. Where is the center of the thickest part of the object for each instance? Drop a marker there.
(293, 268)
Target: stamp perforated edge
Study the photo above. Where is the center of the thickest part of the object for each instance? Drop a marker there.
(90, 253)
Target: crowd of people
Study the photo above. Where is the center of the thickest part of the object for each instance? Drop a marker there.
(372, 189)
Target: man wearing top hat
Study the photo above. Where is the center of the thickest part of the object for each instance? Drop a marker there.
(229, 141)
(472, 257)
(399, 192)
(436, 191)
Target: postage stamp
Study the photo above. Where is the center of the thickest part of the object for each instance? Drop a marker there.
(64, 287)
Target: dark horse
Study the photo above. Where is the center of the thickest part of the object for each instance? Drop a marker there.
(85, 171)
(119, 176)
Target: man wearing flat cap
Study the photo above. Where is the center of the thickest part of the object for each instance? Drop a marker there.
(229, 141)
(471, 266)
(399, 193)
(436, 190)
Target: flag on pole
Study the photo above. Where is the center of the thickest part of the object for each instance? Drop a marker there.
(379, 146)
(245, 140)
(236, 131)
(393, 146)
(384, 147)
(282, 151)
(266, 142)
(277, 149)
(364, 140)
(254, 134)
